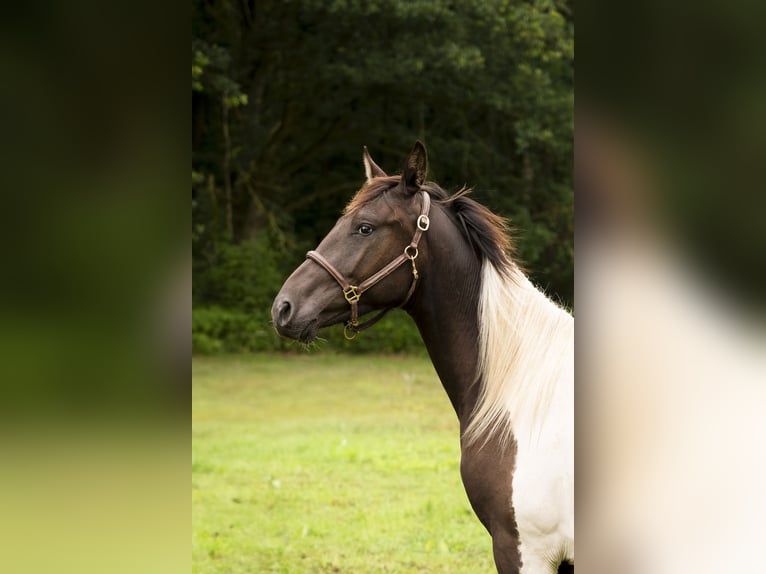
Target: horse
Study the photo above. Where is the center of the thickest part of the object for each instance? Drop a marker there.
(503, 350)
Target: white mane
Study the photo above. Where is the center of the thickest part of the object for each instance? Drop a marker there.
(526, 359)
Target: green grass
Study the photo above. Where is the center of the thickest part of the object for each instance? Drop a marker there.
(324, 463)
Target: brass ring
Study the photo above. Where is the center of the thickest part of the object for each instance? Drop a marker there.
(407, 253)
(352, 328)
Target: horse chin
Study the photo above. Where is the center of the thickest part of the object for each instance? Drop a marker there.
(309, 332)
(334, 319)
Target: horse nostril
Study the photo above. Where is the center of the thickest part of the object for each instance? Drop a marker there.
(284, 310)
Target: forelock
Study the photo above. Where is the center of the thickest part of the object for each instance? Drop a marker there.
(371, 191)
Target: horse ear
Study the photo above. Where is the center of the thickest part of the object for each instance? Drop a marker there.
(415, 168)
(371, 169)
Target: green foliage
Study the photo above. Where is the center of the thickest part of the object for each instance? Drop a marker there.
(217, 330)
(243, 276)
(210, 72)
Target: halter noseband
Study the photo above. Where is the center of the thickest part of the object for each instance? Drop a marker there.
(352, 293)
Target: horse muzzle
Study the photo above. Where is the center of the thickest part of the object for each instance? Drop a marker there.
(295, 318)
(287, 322)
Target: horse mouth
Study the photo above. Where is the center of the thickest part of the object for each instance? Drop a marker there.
(306, 332)
(303, 333)
(309, 332)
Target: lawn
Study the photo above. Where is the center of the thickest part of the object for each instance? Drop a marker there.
(322, 463)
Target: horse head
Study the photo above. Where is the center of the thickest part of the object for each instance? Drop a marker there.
(367, 261)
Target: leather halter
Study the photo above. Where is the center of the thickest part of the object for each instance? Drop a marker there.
(352, 293)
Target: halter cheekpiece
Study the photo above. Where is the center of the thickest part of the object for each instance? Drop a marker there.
(353, 293)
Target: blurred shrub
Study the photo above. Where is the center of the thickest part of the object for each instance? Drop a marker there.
(217, 330)
(396, 333)
(242, 276)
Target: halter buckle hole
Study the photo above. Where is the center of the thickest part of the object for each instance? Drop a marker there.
(423, 222)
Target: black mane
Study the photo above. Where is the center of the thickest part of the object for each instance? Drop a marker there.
(487, 232)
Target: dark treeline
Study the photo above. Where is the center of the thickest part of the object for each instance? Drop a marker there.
(286, 93)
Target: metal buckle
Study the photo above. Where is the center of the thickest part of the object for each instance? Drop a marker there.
(423, 222)
(351, 294)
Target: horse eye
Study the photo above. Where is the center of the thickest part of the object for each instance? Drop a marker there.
(365, 229)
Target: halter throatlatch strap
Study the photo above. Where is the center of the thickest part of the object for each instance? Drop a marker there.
(353, 293)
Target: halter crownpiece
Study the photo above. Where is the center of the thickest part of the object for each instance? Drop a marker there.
(352, 293)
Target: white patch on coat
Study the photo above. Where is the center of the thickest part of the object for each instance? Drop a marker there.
(527, 367)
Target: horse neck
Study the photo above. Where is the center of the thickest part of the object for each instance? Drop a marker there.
(445, 309)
